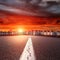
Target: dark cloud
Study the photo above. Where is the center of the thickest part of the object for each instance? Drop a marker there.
(33, 7)
(35, 12)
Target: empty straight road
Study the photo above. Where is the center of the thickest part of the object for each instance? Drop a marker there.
(44, 48)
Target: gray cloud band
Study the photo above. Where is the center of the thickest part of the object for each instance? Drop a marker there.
(43, 9)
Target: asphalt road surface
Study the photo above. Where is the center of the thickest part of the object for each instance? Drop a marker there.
(45, 48)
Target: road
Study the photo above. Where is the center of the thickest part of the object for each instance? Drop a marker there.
(45, 48)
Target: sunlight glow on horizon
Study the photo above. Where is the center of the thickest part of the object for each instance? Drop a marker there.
(20, 30)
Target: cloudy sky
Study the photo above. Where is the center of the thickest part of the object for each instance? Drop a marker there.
(33, 7)
(29, 12)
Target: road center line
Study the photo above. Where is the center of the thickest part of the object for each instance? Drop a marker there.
(28, 52)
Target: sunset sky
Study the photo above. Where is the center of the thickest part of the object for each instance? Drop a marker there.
(17, 13)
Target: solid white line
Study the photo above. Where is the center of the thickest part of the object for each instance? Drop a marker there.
(28, 53)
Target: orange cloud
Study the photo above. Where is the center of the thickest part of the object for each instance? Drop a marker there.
(11, 21)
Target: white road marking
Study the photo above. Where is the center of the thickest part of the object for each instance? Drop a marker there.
(28, 53)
